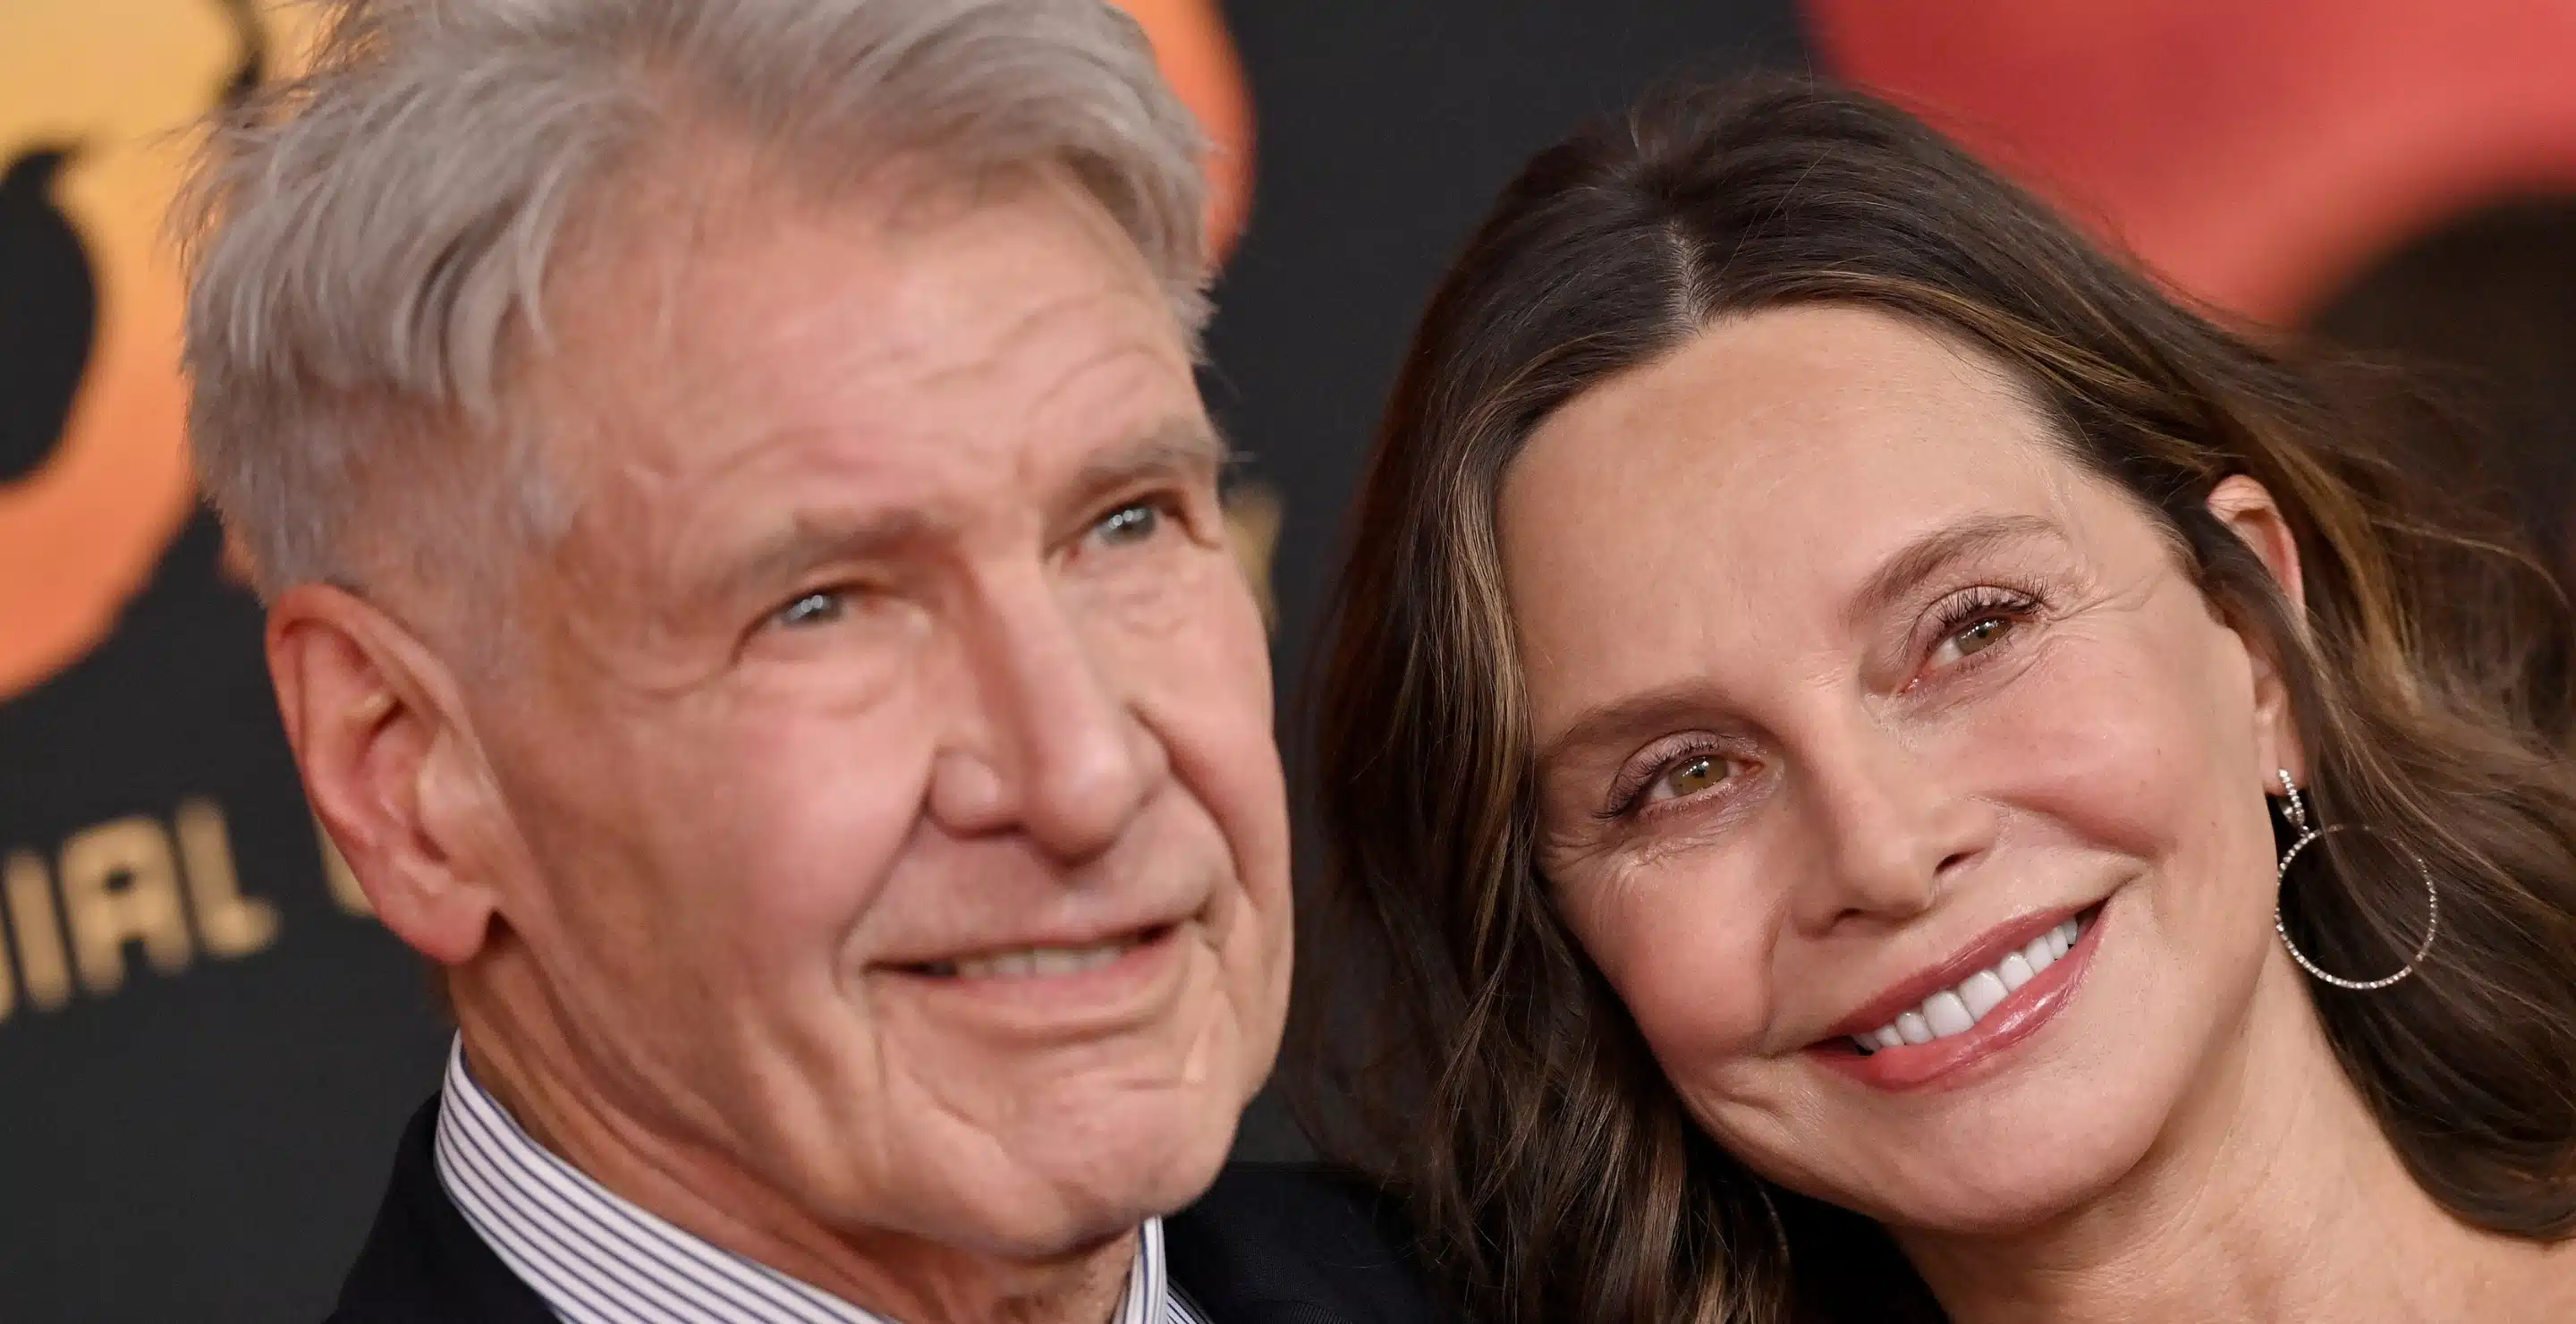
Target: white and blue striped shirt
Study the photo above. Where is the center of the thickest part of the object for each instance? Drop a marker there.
(597, 1258)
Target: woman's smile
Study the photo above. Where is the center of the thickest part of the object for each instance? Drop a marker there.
(1914, 1040)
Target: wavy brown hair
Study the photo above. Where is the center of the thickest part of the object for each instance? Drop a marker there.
(1488, 1071)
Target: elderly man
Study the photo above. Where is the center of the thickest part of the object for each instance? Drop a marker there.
(748, 596)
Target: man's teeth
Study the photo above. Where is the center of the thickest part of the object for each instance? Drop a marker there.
(1957, 1010)
(1035, 962)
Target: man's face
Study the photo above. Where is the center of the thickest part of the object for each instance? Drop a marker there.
(894, 811)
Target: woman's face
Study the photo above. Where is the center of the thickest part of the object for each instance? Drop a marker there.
(1855, 698)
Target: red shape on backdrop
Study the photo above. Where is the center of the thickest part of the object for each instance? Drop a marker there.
(2255, 154)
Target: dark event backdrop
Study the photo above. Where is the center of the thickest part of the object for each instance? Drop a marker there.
(206, 1046)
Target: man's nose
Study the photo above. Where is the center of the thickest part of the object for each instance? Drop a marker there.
(1054, 747)
(1890, 829)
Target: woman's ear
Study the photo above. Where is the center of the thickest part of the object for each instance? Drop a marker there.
(2247, 509)
(377, 733)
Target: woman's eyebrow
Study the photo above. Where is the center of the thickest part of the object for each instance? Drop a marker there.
(1898, 576)
(1924, 557)
(1619, 717)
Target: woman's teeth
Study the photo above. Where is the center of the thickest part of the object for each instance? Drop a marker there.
(1957, 1010)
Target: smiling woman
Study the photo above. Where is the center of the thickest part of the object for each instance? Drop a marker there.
(1896, 773)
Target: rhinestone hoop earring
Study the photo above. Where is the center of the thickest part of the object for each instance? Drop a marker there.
(2308, 835)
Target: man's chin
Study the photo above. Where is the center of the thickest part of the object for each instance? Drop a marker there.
(1075, 1183)
(1113, 1188)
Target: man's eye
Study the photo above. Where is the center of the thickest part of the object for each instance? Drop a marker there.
(817, 608)
(1132, 523)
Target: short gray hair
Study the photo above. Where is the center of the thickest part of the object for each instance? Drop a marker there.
(367, 243)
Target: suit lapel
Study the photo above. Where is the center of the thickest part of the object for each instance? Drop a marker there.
(423, 1263)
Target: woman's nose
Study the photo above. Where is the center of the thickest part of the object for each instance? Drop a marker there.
(1889, 829)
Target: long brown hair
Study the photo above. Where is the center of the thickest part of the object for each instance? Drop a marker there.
(1489, 1072)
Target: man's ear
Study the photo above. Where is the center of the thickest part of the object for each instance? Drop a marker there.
(2247, 509)
(377, 730)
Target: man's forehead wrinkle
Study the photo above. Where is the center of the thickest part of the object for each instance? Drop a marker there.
(1108, 311)
(1119, 345)
(930, 336)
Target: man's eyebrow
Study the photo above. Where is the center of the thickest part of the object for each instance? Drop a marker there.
(812, 538)
(1924, 557)
(1178, 445)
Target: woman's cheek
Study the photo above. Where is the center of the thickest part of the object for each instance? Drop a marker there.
(2090, 736)
(1688, 953)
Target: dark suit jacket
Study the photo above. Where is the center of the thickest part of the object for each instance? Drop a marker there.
(1268, 1244)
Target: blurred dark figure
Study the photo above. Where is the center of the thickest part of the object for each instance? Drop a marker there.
(48, 313)
(2487, 302)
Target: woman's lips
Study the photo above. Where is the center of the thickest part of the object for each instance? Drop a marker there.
(1966, 1023)
(1958, 1008)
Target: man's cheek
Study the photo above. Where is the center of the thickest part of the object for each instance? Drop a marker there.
(813, 875)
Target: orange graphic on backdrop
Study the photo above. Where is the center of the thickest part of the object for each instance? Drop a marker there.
(107, 82)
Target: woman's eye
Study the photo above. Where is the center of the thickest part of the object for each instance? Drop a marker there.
(1133, 523)
(1689, 777)
(1982, 627)
(817, 608)
(1981, 634)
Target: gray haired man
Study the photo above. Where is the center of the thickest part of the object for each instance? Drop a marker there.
(748, 598)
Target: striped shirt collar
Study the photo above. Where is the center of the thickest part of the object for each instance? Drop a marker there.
(597, 1258)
